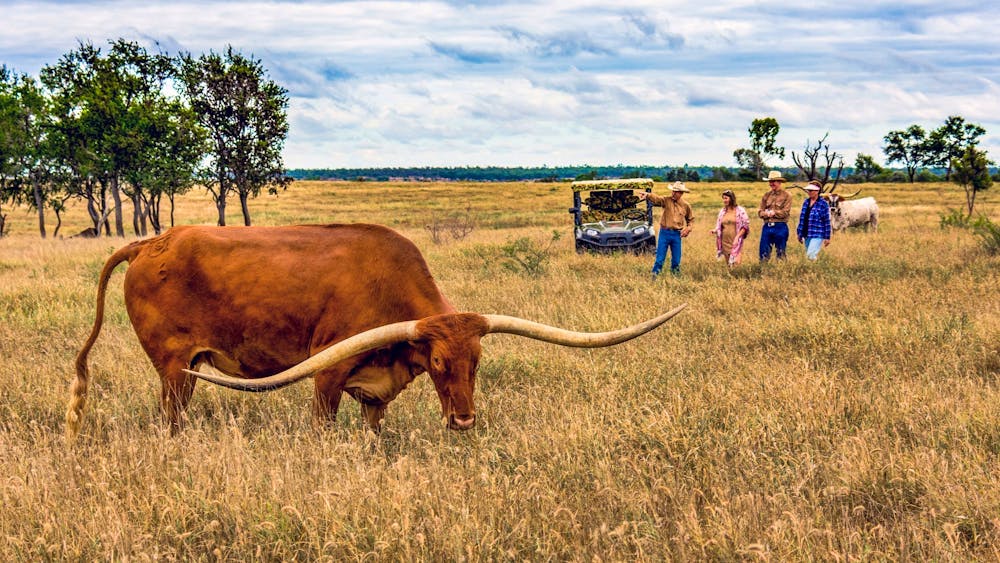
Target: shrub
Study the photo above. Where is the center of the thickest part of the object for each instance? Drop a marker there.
(458, 226)
(927, 176)
(528, 256)
(987, 231)
(954, 218)
(989, 235)
(891, 176)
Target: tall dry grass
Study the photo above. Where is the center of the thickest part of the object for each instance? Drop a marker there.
(845, 409)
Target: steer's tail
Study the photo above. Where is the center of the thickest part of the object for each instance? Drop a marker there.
(78, 389)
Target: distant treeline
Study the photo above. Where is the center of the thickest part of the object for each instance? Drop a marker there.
(521, 173)
(567, 173)
(479, 173)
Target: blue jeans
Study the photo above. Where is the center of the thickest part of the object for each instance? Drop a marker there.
(776, 235)
(813, 246)
(672, 239)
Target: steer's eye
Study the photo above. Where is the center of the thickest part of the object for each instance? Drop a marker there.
(437, 362)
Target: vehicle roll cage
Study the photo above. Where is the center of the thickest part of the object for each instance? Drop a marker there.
(609, 200)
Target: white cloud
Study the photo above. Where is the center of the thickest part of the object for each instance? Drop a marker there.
(565, 82)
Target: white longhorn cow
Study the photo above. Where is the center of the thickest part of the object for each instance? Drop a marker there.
(846, 213)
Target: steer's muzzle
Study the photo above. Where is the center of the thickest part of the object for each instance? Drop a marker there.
(461, 421)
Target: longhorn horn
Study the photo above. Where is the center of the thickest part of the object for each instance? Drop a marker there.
(852, 195)
(553, 335)
(357, 344)
(407, 330)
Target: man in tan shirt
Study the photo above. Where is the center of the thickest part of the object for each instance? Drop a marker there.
(775, 207)
(675, 224)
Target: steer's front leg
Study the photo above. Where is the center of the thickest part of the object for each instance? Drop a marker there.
(326, 396)
(373, 413)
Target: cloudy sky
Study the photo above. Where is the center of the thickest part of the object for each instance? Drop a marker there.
(523, 83)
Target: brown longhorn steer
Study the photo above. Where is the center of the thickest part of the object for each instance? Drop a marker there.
(257, 308)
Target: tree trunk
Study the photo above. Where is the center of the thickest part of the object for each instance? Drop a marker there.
(220, 199)
(220, 205)
(105, 210)
(136, 213)
(171, 210)
(116, 195)
(36, 192)
(970, 200)
(95, 216)
(55, 233)
(139, 213)
(144, 214)
(245, 208)
(153, 211)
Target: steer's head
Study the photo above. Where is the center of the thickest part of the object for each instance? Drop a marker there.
(452, 347)
(834, 200)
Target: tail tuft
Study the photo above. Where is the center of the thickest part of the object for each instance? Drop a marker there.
(74, 410)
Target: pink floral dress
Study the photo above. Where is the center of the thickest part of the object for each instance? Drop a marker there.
(736, 248)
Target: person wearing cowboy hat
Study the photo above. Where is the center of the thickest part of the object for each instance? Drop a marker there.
(814, 221)
(675, 224)
(775, 208)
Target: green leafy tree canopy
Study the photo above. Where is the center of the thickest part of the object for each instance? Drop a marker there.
(763, 144)
(972, 172)
(907, 147)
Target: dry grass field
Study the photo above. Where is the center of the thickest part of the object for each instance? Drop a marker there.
(839, 410)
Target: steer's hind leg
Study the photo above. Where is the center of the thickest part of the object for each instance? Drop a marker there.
(175, 392)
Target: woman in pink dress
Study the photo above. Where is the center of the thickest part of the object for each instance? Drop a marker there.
(731, 228)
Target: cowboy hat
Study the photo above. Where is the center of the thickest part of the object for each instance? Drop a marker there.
(775, 175)
(679, 187)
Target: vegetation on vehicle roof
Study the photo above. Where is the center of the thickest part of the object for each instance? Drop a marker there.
(614, 184)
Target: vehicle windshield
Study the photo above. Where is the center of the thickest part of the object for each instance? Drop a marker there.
(610, 200)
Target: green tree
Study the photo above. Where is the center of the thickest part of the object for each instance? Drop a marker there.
(144, 111)
(763, 133)
(72, 137)
(722, 174)
(972, 172)
(168, 163)
(244, 115)
(948, 142)
(866, 168)
(908, 148)
(104, 103)
(82, 115)
(25, 161)
(10, 143)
